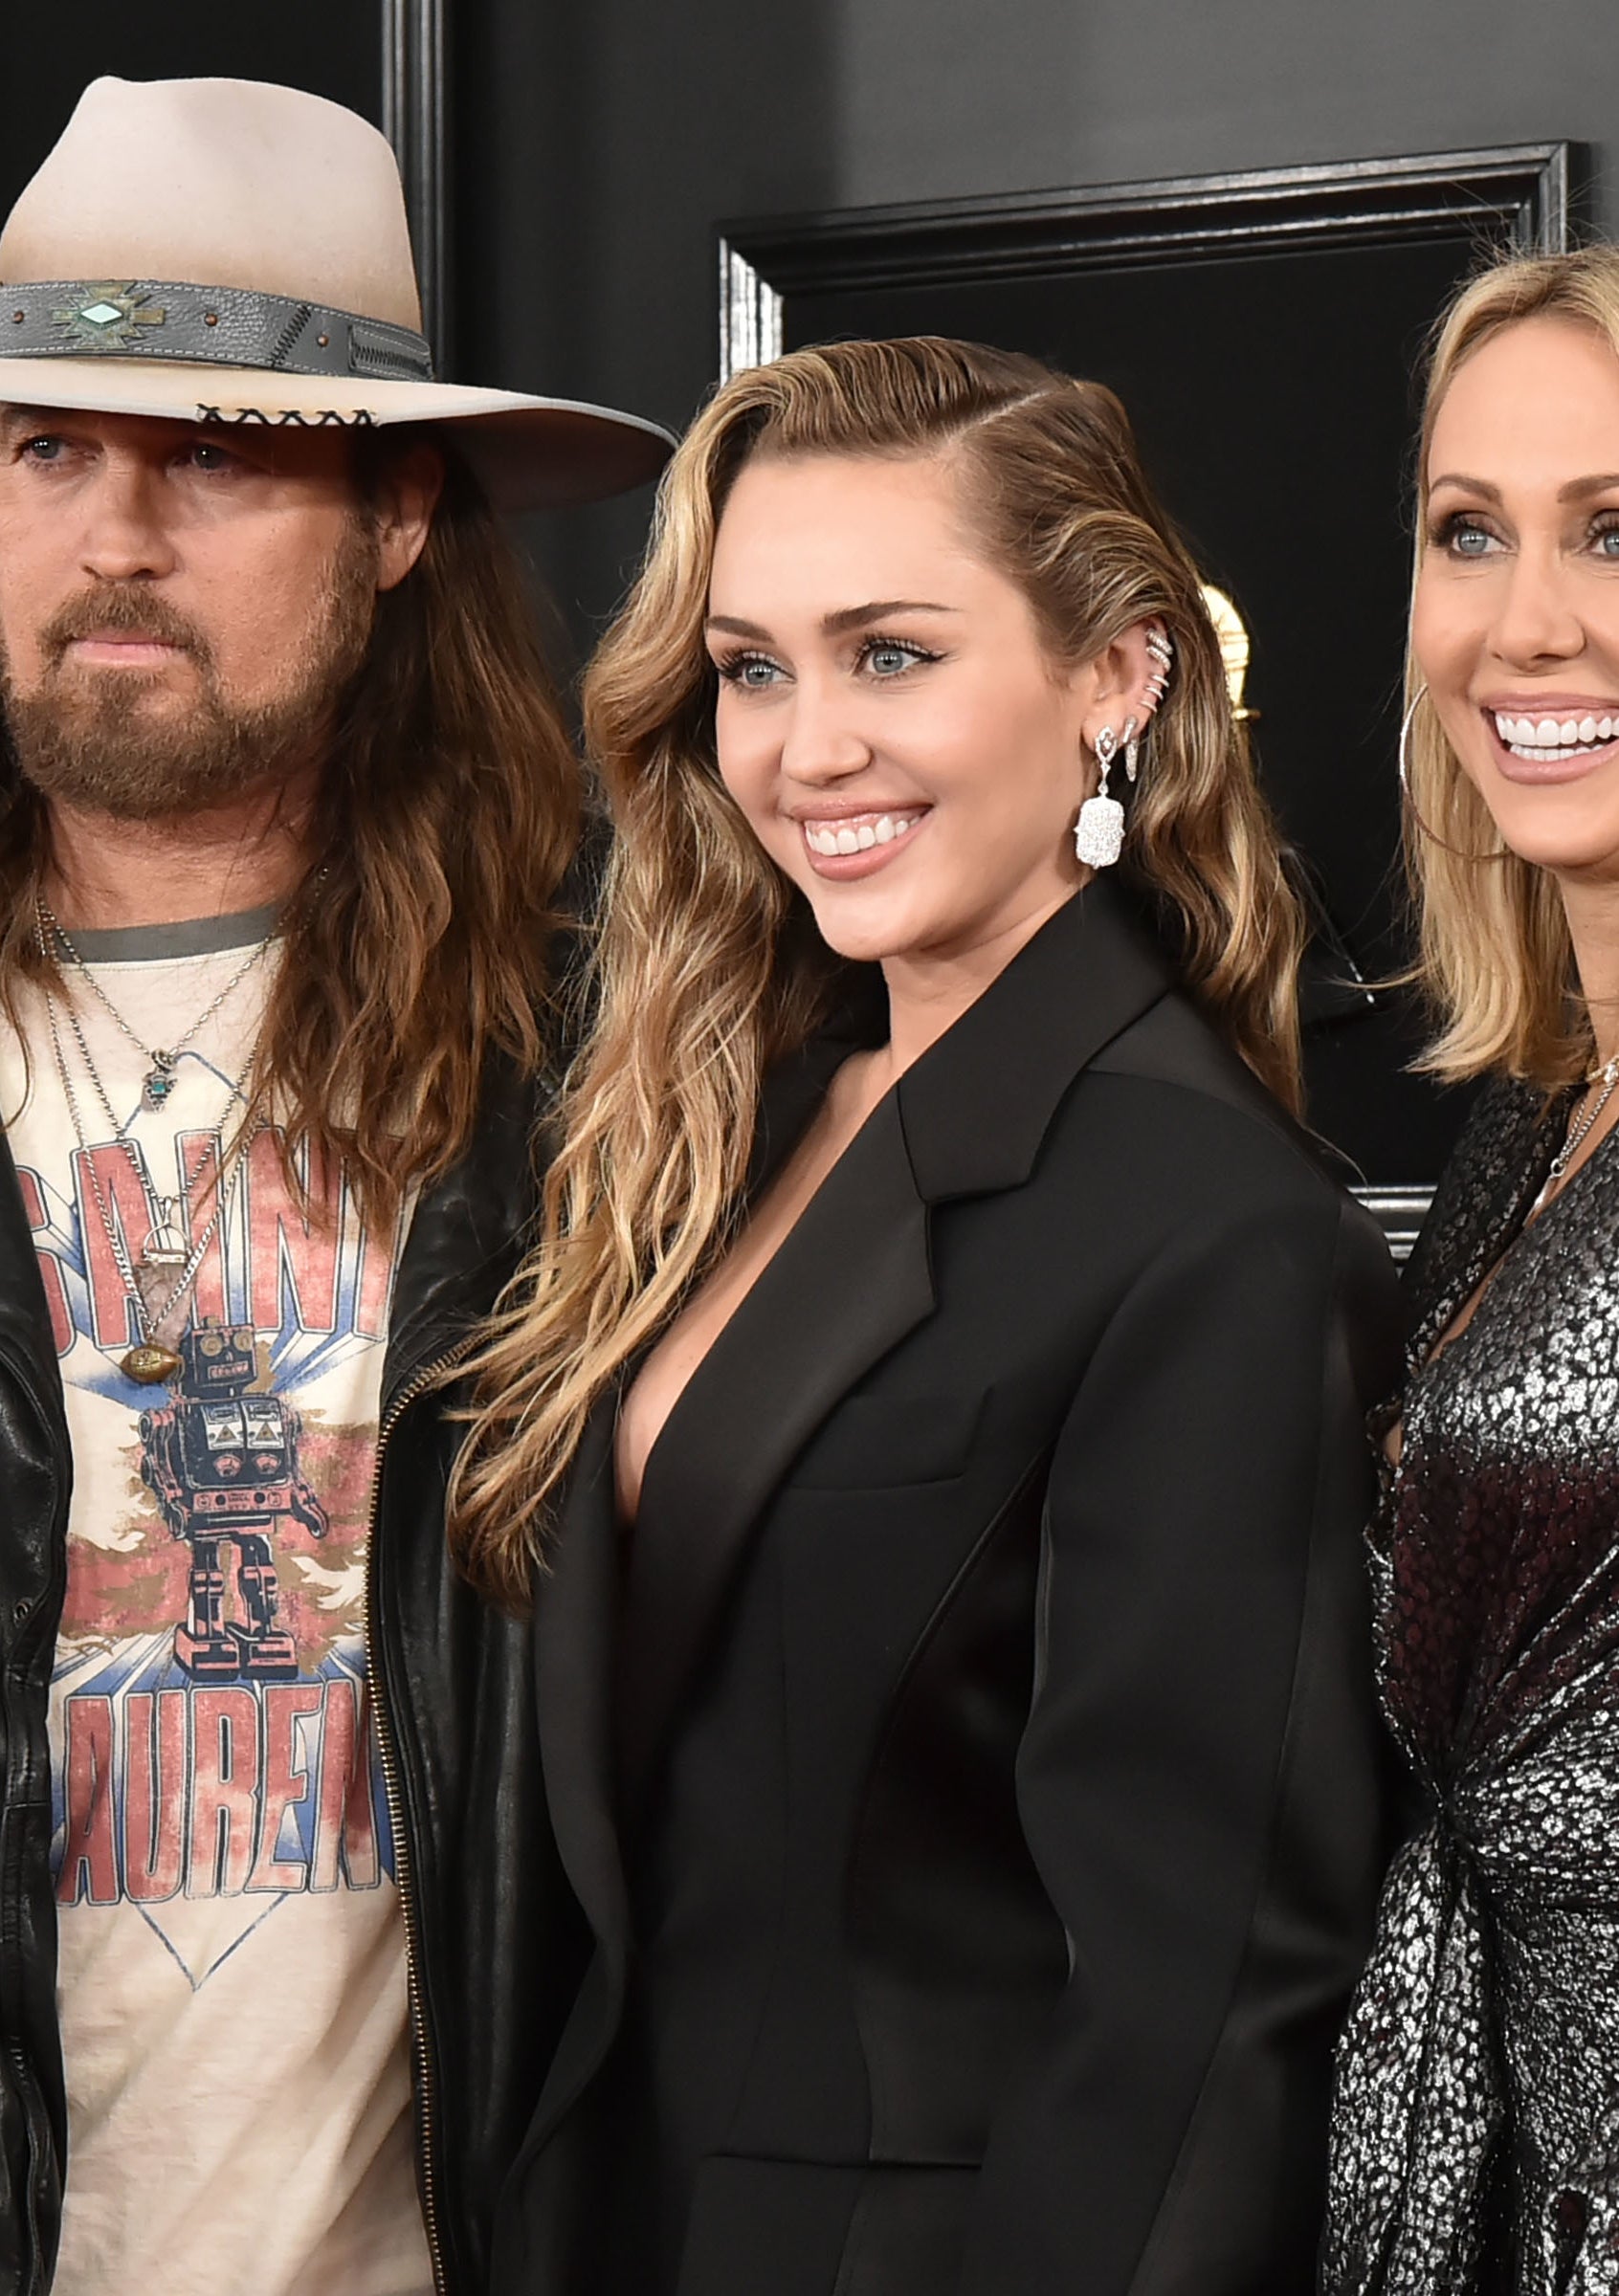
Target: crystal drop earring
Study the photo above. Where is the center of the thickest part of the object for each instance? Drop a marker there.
(1098, 833)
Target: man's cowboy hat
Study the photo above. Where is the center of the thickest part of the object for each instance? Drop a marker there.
(222, 249)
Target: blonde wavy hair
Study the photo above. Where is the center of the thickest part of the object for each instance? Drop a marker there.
(1495, 961)
(705, 974)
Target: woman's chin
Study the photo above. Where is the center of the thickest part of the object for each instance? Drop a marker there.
(1585, 851)
(858, 945)
(856, 926)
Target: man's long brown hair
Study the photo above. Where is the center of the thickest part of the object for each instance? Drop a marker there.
(446, 815)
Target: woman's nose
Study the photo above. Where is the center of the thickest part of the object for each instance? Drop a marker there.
(1537, 618)
(823, 741)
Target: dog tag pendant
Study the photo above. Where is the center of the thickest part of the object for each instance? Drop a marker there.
(162, 1263)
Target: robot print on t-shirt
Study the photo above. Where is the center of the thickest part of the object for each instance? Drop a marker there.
(222, 1463)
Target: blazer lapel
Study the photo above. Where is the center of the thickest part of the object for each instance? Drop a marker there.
(575, 1628)
(978, 1104)
(846, 1286)
(576, 1602)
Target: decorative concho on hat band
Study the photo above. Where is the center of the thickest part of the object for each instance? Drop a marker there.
(212, 326)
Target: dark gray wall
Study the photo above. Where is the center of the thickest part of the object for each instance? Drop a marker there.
(1019, 93)
(600, 143)
(597, 144)
(333, 46)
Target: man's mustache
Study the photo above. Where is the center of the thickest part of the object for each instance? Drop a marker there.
(124, 608)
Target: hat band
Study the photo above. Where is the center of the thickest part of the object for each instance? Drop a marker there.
(211, 326)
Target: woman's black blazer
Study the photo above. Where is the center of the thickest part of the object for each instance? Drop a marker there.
(976, 1735)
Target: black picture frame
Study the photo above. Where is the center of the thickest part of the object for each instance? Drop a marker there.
(1521, 194)
(1386, 234)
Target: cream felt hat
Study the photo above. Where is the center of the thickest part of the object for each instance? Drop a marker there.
(227, 251)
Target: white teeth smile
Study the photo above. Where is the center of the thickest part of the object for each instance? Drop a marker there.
(846, 837)
(1543, 739)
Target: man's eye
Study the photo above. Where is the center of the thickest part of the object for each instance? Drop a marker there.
(207, 456)
(46, 448)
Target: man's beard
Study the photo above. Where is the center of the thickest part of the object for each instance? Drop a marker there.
(82, 743)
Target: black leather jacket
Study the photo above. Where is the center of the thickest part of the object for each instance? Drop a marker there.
(453, 1696)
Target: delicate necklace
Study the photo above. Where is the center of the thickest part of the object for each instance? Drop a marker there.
(1607, 1077)
(158, 1080)
(160, 1279)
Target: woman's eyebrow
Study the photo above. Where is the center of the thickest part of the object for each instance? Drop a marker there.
(1468, 486)
(1574, 490)
(846, 617)
(879, 609)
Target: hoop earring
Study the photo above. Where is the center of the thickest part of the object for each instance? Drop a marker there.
(1406, 723)
(1409, 802)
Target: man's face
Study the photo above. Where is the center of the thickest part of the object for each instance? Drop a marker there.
(179, 606)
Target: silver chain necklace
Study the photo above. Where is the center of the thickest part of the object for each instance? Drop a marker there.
(160, 1078)
(156, 1283)
(1607, 1077)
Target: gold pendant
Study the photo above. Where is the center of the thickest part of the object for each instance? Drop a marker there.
(149, 1363)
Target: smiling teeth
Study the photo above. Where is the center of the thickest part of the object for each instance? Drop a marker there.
(830, 838)
(1550, 739)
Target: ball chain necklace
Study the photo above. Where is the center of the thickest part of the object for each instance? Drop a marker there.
(160, 1078)
(156, 1282)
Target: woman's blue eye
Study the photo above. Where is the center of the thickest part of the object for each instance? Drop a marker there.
(754, 672)
(888, 657)
(1607, 538)
(1469, 541)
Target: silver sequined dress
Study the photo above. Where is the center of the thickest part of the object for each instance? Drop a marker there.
(1476, 2119)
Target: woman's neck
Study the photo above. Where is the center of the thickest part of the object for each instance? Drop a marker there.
(1592, 910)
(929, 992)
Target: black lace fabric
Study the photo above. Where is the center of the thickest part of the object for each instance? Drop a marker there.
(1477, 2117)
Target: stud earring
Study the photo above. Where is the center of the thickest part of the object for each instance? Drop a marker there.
(1098, 833)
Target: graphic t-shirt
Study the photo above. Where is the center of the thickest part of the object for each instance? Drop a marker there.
(232, 1975)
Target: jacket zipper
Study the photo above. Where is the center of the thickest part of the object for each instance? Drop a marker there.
(387, 1747)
